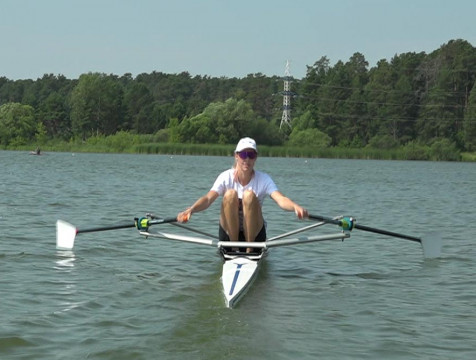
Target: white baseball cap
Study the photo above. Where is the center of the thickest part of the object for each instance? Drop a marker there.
(246, 143)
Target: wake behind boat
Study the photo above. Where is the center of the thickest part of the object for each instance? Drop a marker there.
(240, 268)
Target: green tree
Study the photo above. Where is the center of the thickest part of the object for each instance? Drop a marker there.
(403, 100)
(266, 132)
(174, 131)
(309, 137)
(160, 115)
(40, 135)
(258, 91)
(138, 103)
(449, 76)
(231, 120)
(96, 105)
(11, 91)
(305, 121)
(470, 123)
(17, 124)
(312, 91)
(198, 129)
(224, 123)
(377, 90)
(433, 117)
(331, 103)
(53, 112)
(356, 124)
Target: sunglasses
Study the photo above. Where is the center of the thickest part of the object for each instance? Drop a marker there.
(247, 154)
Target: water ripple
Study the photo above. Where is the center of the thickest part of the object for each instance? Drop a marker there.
(120, 296)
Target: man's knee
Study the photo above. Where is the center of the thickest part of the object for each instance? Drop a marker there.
(230, 196)
(249, 198)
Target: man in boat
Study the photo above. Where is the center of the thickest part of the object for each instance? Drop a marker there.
(243, 189)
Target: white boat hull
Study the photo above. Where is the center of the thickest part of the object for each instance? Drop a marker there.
(238, 274)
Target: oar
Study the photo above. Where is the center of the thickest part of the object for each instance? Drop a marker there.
(66, 232)
(152, 216)
(431, 244)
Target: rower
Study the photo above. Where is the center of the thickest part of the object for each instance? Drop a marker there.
(243, 189)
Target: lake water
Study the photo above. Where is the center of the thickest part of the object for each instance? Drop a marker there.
(118, 295)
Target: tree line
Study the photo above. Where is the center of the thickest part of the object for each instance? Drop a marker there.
(415, 98)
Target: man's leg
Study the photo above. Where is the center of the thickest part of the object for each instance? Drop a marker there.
(252, 216)
(229, 214)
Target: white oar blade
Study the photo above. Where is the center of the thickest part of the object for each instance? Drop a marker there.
(431, 245)
(65, 234)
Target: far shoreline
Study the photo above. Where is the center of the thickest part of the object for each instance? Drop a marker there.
(415, 153)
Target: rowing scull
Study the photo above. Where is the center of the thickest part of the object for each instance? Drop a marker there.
(240, 269)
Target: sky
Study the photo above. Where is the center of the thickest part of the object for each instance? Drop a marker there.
(218, 38)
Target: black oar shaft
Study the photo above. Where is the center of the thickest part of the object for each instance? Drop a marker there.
(325, 219)
(385, 232)
(105, 228)
(366, 228)
(125, 226)
(163, 221)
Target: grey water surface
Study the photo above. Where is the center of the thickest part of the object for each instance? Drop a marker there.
(118, 295)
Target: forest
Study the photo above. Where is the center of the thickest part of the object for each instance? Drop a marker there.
(418, 102)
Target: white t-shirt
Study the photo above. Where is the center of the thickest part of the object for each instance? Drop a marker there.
(261, 184)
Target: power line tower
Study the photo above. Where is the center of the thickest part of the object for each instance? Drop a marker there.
(287, 94)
